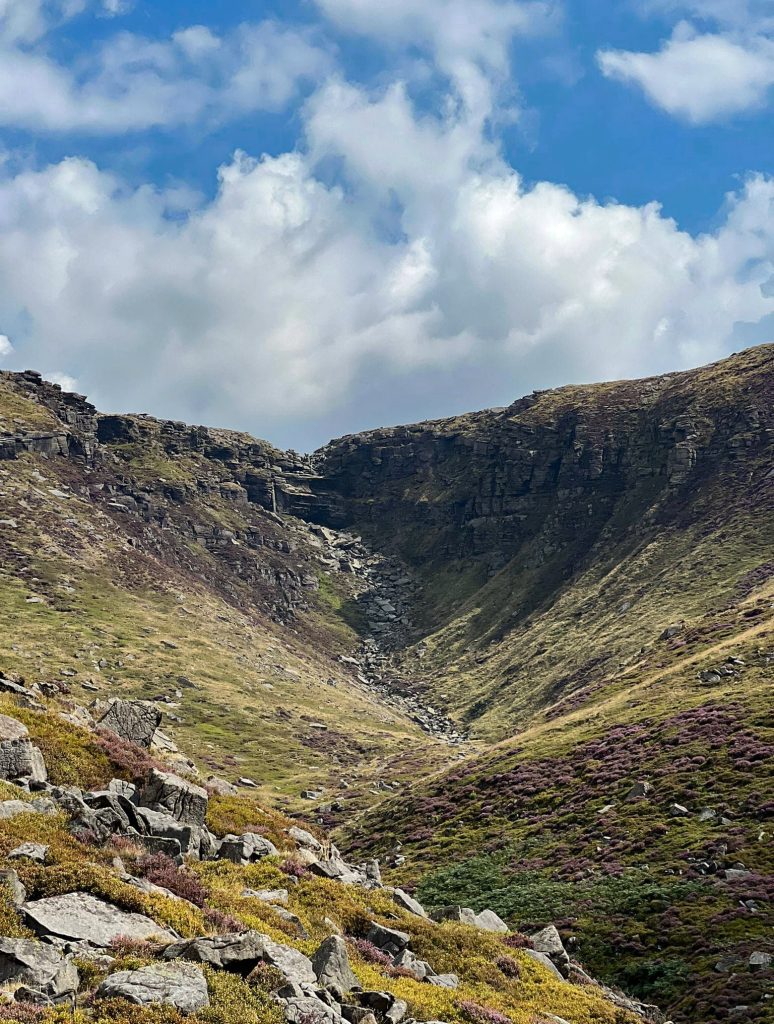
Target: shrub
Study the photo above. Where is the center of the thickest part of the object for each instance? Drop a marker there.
(369, 952)
(508, 966)
(26, 1013)
(222, 922)
(162, 870)
(482, 1014)
(127, 760)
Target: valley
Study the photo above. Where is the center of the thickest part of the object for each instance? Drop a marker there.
(524, 656)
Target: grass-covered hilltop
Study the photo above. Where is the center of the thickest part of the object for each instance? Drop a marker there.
(523, 658)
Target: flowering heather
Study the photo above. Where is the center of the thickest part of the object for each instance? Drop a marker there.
(482, 1014)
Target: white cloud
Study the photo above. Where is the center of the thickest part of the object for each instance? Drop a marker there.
(469, 40)
(284, 297)
(65, 382)
(6, 348)
(132, 83)
(699, 77)
(717, 64)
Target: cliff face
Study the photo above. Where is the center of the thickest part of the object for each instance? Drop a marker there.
(551, 470)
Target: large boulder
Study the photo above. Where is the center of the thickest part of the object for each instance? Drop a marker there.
(486, 920)
(301, 1004)
(549, 941)
(132, 720)
(174, 984)
(331, 966)
(79, 916)
(406, 902)
(304, 839)
(544, 961)
(242, 954)
(37, 966)
(172, 795)
(389, 939)
(19, 758)
(246, 849)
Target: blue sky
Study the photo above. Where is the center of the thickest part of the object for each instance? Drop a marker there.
(309, 218)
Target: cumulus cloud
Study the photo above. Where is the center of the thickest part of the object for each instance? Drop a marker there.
(469, 40)
(132, 83)
(702, 75)
(281, 298)
(6, 348)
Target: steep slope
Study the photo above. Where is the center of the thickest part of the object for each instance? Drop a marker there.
(144, 558)
(559, 536)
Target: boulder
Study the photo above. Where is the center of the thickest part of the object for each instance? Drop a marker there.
(406, 902)
(13, 808)
(639, 790)
(545, 961)
(246, 849)
(301, 1004)
(460, 915)
(421, 969)
(180, 985)
(172, 795)
(242, 954)
(548, 941)
(19, 758)
(132, 720)
(331, 966)
(81, 916)
(38, 966)
(760, 961)
(267, 895)
(29, 851)
(443, 980)
(220, 787)
(389, 939)
(18, 893)
(304, 838)
(488, 921)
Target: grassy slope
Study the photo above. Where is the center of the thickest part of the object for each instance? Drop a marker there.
(493, 974)
(87, 595)
(540, 827)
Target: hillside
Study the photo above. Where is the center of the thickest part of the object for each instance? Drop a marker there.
(532, 645)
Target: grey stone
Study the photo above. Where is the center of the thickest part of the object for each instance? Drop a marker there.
(242, 953)
(170, 794)
(29, 851)
(460, 915)
(488, 921)
(331, 966)
(443, 980)
(304, 838)
(79, 915)
(267, 895)
(19, 758)
(406, 902)
(548, 941)
(132, 720)
(246, 849)
(181, 985)
(18, 893)
(13, 808)
(759, 961)
(678, 811)
(38, 966)
(388, 938)
(545, 961)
